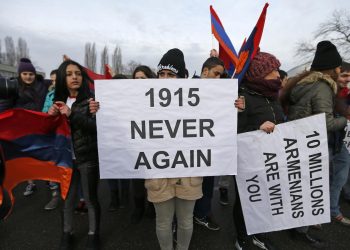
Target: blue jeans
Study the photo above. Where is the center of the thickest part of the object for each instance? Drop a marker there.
(339, 171)
(224, 181)
(346, 188)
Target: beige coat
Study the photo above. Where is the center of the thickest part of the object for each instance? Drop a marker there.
(187, 188)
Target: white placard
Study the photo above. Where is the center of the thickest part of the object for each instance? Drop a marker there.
(166, 128)
(347, 136)
(283, 177)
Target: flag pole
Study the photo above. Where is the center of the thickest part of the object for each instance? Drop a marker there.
(212, 41)
(234, 72)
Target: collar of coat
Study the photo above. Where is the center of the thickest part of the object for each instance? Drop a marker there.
(316, 76)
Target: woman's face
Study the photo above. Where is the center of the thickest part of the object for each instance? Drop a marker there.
(74, 78)
(140, 75)
(27, 77)
(273, 75)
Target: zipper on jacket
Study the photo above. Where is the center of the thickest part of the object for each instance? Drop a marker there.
(273, 111)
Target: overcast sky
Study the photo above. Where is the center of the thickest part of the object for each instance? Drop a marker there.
(145, 30)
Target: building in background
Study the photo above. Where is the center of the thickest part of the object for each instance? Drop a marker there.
(11, 71)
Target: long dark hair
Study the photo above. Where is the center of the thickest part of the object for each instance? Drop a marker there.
(146, 70)
(61, 90)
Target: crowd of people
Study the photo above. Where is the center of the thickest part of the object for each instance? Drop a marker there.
(267, 97)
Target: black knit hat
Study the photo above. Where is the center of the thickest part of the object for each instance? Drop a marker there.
(174, 61)
(326, 56)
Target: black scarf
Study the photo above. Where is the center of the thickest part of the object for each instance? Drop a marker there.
(267, 88)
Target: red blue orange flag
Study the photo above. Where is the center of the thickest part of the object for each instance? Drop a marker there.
(227, 52)
(36, 146)
(251, 46)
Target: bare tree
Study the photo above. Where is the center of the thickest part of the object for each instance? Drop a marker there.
(87, 55)
(117, 60)
(131, 66)
(90, 56)
(104, 59)
(22, 49)
(93, 57)
(305, 50)
(10, 51)
(336, 29)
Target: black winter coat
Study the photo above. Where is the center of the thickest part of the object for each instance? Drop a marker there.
(258, 109)
(84, 135)
(32, 97)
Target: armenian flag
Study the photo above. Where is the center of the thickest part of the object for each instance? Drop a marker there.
(251, 46)
(36, 146)
(227, 52)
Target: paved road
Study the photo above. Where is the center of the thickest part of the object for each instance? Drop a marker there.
(30, 227)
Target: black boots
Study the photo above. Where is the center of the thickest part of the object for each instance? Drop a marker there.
(308, 239)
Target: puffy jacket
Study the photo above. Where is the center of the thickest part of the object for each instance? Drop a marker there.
(6, 104)
(258, 109)
(315, 94)
(84, 135)
(163, 189)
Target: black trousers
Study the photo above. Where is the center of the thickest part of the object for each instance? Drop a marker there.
(89, 177)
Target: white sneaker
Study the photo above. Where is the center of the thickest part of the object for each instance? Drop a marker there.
(237, 246)
(263, 244)
(30, 189)
(53, 203)
(342, 220)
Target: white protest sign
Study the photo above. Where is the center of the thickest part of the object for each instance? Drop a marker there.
(283, 177)
(157, 128)
(347, 136)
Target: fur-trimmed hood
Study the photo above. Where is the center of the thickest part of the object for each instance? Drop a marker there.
(316, 76)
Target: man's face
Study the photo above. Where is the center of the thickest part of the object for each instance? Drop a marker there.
(284, 81)
(166, 74)
(214, 72)
(53, 78)
(344, 79)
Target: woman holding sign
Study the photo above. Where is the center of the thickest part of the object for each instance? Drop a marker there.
(314, 92)
(174, 196)
(72, 96)
(262, 111)
(141, 72)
